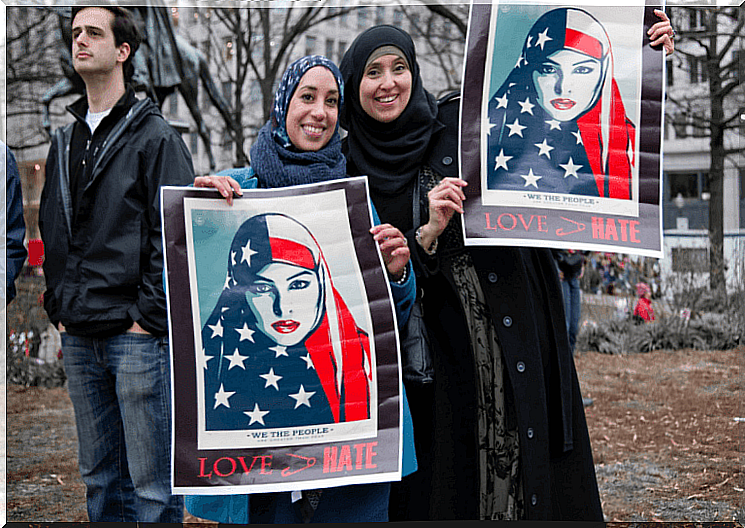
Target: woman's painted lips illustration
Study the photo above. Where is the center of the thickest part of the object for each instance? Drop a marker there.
(285, 326)
(562, 104)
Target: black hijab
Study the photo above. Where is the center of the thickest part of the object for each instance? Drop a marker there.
(390, 154)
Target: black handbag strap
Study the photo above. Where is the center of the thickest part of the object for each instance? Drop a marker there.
(416, 214)
(416, 218)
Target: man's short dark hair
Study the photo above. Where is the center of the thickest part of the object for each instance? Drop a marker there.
(125, 29)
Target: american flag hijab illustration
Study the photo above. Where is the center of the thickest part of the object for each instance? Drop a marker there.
(557, 123)
(273, 366)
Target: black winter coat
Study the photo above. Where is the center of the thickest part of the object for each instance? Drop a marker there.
(104, 260)
(524, 298)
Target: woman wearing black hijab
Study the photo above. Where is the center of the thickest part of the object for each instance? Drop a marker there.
(390, 153)
(501, 432)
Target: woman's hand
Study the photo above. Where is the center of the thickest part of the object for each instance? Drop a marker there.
(444, 200)
(662, 32)
(394, 248)
(225, 184)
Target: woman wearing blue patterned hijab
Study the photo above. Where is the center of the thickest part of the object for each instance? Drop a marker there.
(287, 87)
(276, 159)
(299, 144)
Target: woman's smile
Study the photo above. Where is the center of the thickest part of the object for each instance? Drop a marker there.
(313, 130)
(386, 99)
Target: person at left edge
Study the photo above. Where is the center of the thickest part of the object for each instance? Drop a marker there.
(99, 219)
(15, 227)
(300, 144)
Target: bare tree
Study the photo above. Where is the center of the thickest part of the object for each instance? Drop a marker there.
(455, 13)
(710, 49)
(32, 68)
(443, 28)
(263, 41)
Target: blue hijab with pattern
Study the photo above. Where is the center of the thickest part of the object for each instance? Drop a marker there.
(275, 160)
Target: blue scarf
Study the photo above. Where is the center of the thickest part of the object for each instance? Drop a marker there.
(276, 162)
(278, 166)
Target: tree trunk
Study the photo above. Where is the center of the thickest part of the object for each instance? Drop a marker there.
(717, 281)
(240, 155)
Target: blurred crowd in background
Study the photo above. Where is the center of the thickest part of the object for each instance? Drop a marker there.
(618, 274)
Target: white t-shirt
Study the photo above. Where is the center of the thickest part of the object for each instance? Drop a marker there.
(94, 119)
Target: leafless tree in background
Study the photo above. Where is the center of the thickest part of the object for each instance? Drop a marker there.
(443, 28)
(262, 42)
(709, 48)
(32, 68)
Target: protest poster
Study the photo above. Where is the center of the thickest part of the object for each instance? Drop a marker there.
(283, 340)
(561, 127)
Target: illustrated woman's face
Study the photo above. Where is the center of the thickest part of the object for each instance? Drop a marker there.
(284, 298)
(566, 83)
(385, 88)
(313, 110)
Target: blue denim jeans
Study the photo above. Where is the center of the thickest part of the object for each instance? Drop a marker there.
(572, 308)
(120, 390)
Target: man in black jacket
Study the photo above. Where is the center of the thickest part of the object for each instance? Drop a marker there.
(100, 222)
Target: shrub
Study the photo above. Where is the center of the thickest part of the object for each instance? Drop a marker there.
(26, 320)
(707, 332)
(24, 368)
(688, 316)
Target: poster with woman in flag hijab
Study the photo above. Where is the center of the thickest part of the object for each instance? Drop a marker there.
(561, 125)
(283, 339)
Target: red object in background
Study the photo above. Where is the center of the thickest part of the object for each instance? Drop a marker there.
(644, 309)
(35, 252)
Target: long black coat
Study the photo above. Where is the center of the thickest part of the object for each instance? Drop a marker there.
(542, 395)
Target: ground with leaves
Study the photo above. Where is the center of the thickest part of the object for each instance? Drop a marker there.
(667, 431)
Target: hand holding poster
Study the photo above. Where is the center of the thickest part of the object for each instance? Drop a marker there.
(561, 127)
(283, 339)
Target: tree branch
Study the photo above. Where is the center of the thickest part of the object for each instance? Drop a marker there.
(448, 15)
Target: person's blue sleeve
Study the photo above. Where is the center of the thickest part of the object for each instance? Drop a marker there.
(403, 294)
(245, 176)
(409, 464)
(225, 509)
(403, 298)
(15, 251)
